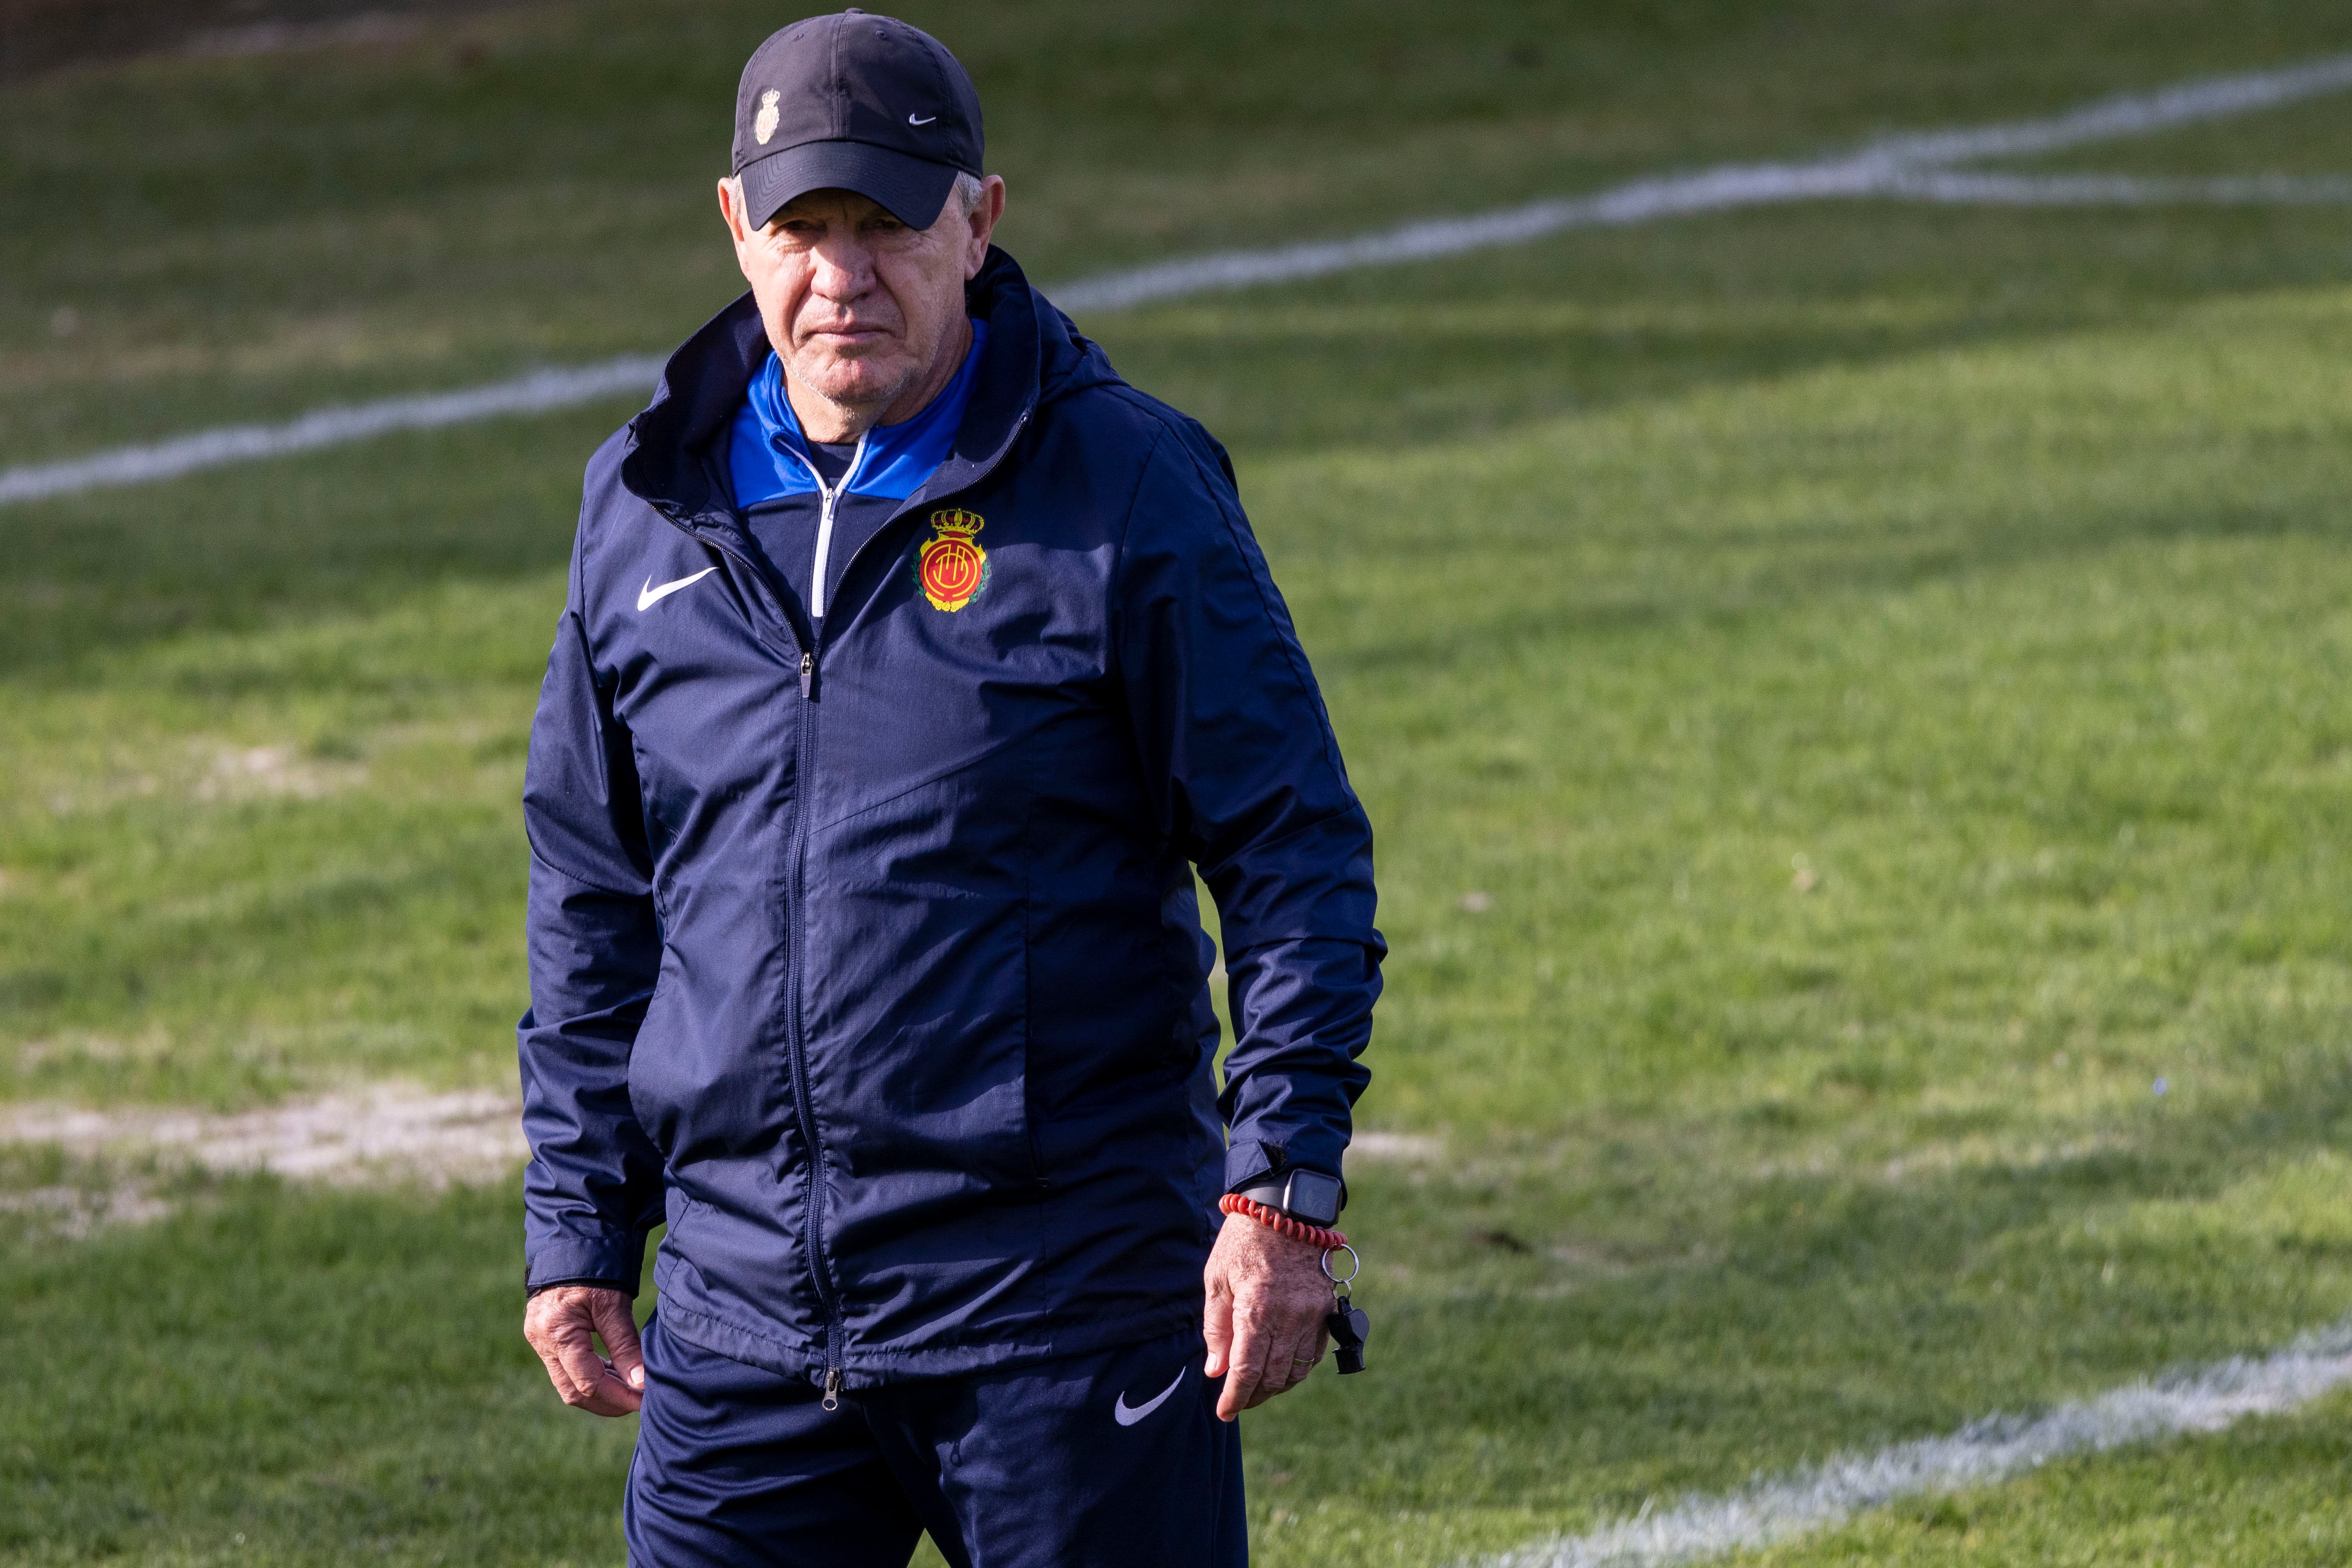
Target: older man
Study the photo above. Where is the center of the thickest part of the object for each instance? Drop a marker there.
(911, 662)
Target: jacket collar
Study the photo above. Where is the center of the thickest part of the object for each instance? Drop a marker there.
(768, 451)
(1033, 354)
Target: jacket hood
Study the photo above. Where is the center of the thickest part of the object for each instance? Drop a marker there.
(1035, 355)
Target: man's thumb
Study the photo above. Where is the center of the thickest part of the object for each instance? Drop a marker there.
(1217, 1328)
(618, 1327)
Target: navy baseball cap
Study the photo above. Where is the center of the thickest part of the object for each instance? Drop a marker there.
(855, 102)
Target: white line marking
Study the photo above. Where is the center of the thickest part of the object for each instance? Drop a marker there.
(1859, 173)
(1894, 167)
(2125, 115)
(538, 393)
(1968, 188)
(1996, 1448)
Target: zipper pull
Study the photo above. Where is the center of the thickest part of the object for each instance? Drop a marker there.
(833, 1388)
(808, 673)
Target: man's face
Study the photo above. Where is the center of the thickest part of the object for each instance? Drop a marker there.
(858, 305)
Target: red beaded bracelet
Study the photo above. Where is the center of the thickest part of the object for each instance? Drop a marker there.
(1298, 1229)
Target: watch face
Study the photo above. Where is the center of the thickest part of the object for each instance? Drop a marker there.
(1314, 1197)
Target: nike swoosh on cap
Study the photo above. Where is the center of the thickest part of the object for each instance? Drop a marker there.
(926, 120)
(649, 596)
(1128, 1414)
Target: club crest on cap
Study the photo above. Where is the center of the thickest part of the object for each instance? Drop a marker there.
(765, 125)
(952, 568)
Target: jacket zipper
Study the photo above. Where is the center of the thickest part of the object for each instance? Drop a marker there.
(796, 1033)
(820, 1266)
(827, 496)
(797, 1037)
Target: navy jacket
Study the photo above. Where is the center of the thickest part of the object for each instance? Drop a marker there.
(869, 959)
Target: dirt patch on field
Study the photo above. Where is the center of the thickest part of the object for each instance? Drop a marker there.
(1405, 1146)
(383, 1133)
(387, 1131)
(74, 1213)
(37, 37)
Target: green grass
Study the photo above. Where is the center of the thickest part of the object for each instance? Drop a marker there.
(279, 1378)
(1558, 1339)
(2270, 1494)
(1880, 668)
(266, 234)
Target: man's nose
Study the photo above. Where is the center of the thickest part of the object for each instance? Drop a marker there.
(845, 271)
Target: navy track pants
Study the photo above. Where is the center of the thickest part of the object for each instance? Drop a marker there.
(1115, 1460)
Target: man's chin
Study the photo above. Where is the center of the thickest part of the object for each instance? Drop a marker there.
(855, 383)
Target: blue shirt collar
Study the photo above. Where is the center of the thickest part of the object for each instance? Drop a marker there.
(765, 445)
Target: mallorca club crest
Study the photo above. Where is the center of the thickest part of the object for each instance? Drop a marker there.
(952, 567)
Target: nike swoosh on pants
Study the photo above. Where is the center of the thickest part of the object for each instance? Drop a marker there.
(1128, 1414)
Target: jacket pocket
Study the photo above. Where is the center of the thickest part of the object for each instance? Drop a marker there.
(922, 1064)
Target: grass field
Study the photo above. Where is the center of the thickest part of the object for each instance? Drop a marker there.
(1849, 695)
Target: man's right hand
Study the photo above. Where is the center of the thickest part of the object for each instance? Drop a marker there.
(562, 1324)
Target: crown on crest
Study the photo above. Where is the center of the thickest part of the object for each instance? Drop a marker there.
(956, 521)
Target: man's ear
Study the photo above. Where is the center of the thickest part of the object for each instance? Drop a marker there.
(983, 221)
(730, 214)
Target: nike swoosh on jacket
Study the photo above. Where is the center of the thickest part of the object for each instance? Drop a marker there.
(649, 596)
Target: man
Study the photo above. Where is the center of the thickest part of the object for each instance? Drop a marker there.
(911, 662)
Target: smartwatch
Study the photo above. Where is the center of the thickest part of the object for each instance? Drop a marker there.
(1308, 1196)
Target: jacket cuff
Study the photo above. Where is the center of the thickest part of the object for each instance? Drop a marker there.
(1248, 1163)
(616, 1261)
(624, 1286)
(1250, 1160)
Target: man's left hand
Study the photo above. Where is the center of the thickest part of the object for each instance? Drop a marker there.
(1268, 1300)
